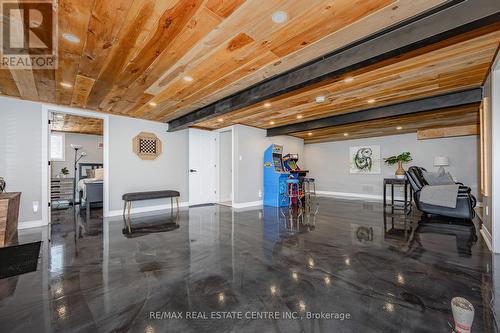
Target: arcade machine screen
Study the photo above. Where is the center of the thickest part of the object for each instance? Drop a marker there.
(292, 165)
(278, 166)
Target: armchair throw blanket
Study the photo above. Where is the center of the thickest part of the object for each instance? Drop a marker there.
(440, 195)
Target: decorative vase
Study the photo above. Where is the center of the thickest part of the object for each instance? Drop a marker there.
(2, 185)
(400, 172)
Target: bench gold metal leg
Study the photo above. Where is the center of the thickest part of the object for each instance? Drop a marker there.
(129, 206)
(177, 202)
(124, 207)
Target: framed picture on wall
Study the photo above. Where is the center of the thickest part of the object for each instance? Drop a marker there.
(365, 160)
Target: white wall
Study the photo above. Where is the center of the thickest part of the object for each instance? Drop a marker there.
(21, 153)
(89, 145)
(329, 162)
(128, 173)
(21, 157)
(225, 165)
(249, 146)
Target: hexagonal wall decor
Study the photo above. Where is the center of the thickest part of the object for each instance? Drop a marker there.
(147, 146)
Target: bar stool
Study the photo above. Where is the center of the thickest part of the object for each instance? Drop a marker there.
(293, 191)
(310, 190)
(309, 182)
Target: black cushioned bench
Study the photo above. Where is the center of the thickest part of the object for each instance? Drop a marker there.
(137, 196)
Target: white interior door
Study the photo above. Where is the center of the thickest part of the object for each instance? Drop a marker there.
(203, 151)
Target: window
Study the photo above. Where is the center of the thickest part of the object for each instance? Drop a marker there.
(57, 147)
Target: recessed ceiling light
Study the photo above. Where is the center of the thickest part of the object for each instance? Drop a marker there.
(71, 38)
(220, 120)
(346, 134)
(267, 105)
(310, 134)
(299, 116)
(399, 128)
(320, 99)
(280, 17)
(348, 79)
(153, 104)
(66, 85)
(188, 78)
(371, 101)
(271, 122)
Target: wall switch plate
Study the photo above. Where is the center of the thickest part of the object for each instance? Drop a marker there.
(260, 193)
(35, 206)
(241, 158)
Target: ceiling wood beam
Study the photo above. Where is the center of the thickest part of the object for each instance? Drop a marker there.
(429, 28)
(447, 132)
(399, 109)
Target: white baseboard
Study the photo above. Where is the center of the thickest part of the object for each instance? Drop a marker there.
(355, 195)
(247, 204)
(30, 224)
(138, 210)
(487, 238)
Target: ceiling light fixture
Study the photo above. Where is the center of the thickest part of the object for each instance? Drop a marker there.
(299, 116)
(348, 79)
(66, 85)
(71, 38)
(188, 78)
(320, 99)
(153, 104)
(346, 134)
(271, 122)
(267, 105)
(399, 128)
(371, 100)
(310, 133)
(279, 17)
(220, 120)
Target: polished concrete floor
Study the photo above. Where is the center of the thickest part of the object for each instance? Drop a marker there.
(350, 266)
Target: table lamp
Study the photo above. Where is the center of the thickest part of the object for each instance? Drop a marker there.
(441, 162)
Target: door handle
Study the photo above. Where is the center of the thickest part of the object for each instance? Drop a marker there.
(193, 170)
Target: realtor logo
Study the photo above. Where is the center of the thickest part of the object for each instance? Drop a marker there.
(29, 35)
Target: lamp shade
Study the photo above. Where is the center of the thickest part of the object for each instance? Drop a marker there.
(441, 161)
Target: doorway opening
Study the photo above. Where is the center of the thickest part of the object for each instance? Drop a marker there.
(76, 162)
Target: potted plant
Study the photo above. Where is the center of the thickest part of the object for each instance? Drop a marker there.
(399, 159)
(64, 172)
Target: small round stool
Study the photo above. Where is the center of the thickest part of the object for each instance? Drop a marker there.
(293, 192)
(309, 182)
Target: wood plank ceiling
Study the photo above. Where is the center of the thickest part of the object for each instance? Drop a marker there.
(159, 60)
(456, 64)
(136, 57)
(68, 123)
(458, 116)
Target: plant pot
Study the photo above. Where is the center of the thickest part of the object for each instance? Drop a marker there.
(400, 172)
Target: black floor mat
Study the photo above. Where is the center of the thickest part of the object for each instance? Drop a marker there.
(19, 259)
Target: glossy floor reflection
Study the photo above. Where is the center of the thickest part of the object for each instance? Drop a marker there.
(388, 273)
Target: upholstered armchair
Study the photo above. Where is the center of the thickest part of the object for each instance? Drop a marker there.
(465, 200)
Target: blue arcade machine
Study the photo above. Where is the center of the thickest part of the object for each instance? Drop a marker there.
(275, 177)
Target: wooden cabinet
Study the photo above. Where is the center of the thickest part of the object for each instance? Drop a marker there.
(9, 213)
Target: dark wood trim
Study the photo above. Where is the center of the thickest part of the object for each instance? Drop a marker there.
(430, 27)
(420, 105)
